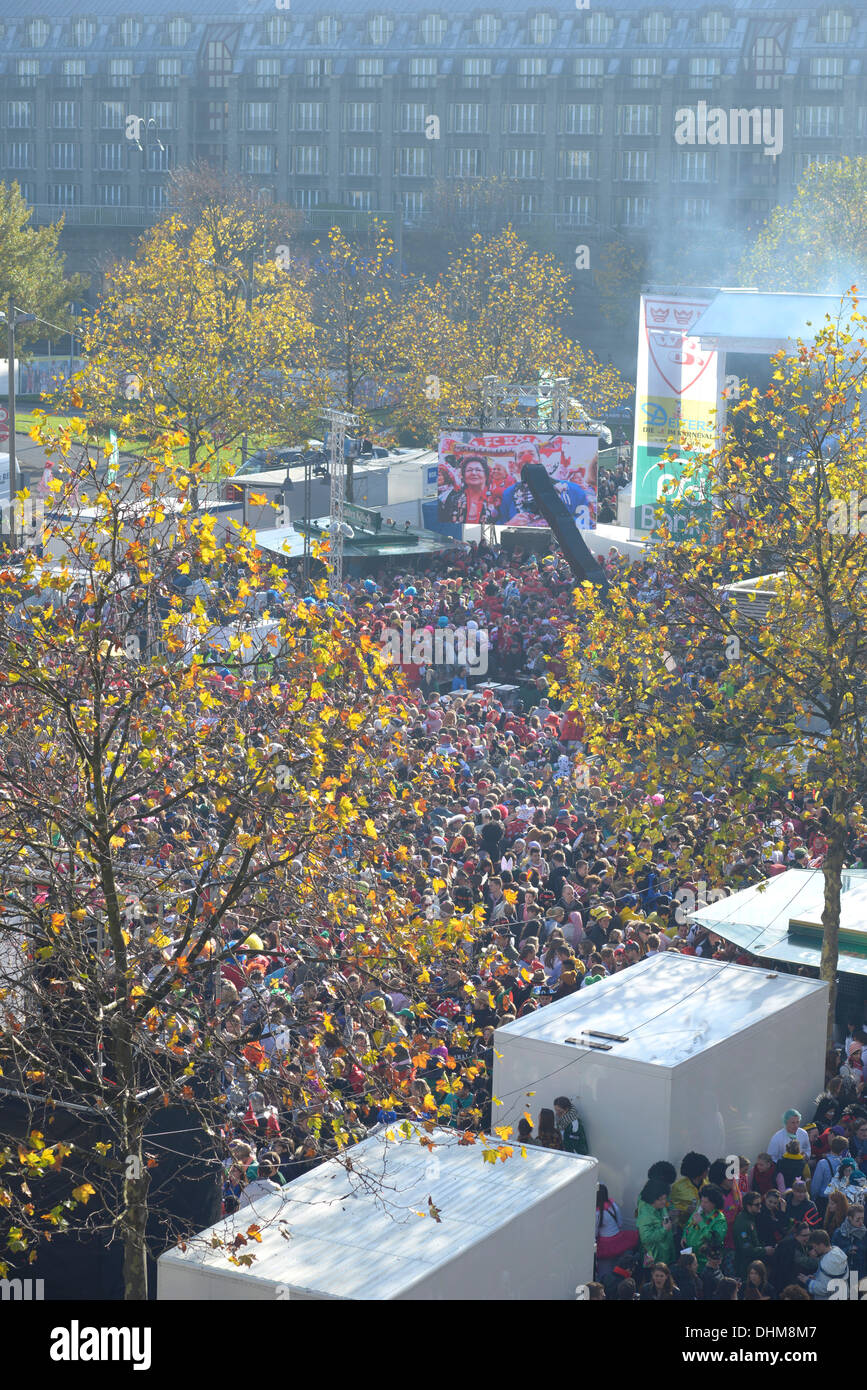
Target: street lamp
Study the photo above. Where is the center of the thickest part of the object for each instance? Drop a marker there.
(13, 316)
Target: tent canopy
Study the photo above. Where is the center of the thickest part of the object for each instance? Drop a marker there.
(758, 917)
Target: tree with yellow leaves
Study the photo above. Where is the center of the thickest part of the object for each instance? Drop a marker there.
(496, 311)
(198, 345)
(732, 663)
(356, 290)
(201, 777)
(818, 241)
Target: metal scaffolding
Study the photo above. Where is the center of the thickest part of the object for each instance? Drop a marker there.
(339, 421)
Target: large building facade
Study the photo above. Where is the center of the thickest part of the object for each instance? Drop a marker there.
(355, 107)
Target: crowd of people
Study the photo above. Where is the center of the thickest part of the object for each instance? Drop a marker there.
(789, 1225)
(556, 897)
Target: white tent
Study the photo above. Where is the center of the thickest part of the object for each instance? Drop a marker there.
(521, 1228)
(758, 917)
(700, 1055)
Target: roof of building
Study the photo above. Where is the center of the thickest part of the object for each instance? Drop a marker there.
(369, 1235)
(668, 1008)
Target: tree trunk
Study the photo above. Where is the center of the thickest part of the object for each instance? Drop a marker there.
(133, 1222)
(192, 450)
(832, 870)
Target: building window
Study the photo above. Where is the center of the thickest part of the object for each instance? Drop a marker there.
(411, 118)
(412, 162)
(655, 27)
(168, 71)
(633, 211)
(524, 119)
(580, 120)
(542, 29)
(72, 72)
(422, 72)
(360, 115)
(257, 159)
(704, 72)
(767, 64)
(19, 154)
(577, 164)
(360, 199)
(695, 166)
(163, 113)
(696, 211)
(65, 155)
(316, 70)
(19, 115)
(110, 195)
(835, 27)
(267, 72)
(368, 72)
(37, 33)
(646, 72)
(157, 197)
(277, 29)
(218, 63)
(818, 122)
(412, 207)
(826, 74)
(112, 115)
(466, 163)
(64, 195)
(576, 209)
(862, 122)
(28, 71)
(83, 31)
(327, 30)
(129, 33)
(532, 71)
(216, 114)
(309, 159)
(360, 161)
(486, 29)
(160, 160)
(65, 115)
(380, 29)
(522, 164)
(178, 32)
(119, 72)
(474, 70)
(259, 115)
(306, 198)
(588, 72)
(110, 158)
(637, 166)
(637, 120)
(467, 118)
(714, 27)
(310, 115)
(598, 28)
(433, 28)
(803, 161)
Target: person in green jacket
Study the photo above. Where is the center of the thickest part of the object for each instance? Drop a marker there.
(707, 1225)
(745, 1235)
(684, 1192)
(654, 1223)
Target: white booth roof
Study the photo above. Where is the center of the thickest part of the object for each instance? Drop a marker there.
(758, 917)
(668, 1008)
(368, 1235)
